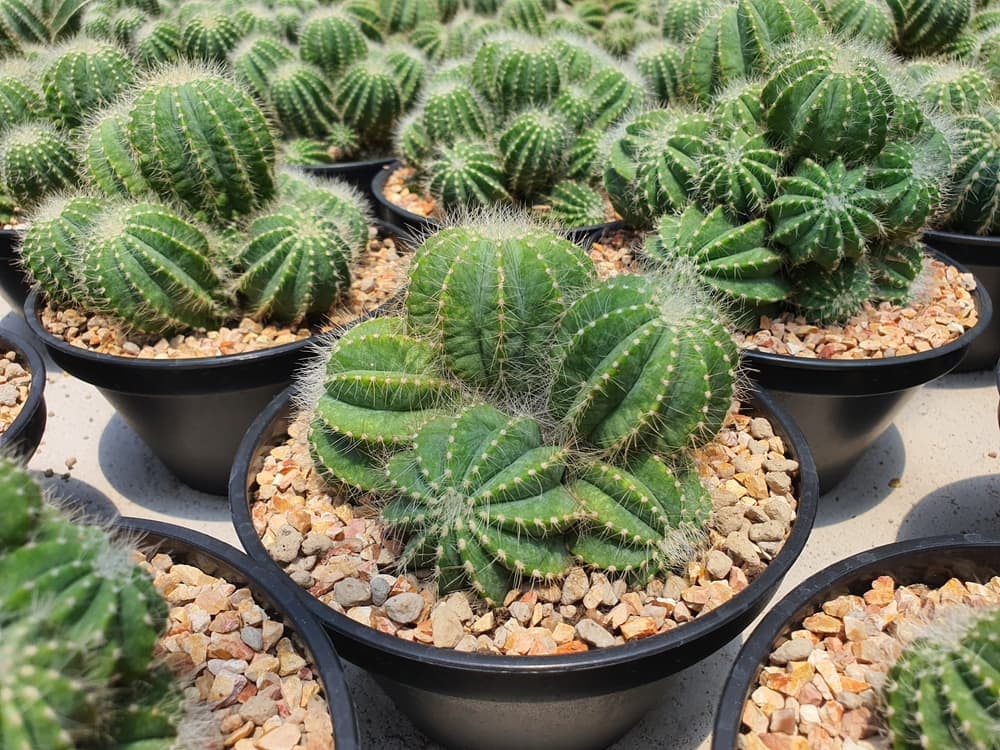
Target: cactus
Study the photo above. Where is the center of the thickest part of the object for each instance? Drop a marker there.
(35, 161)
(301, 99)
(82, 77)
(19, 102)
(583, 156)
(861, 19)
(367, 15)
(532, 150)
(575, 204)
(22, 24)
(51, 250)
(941, 691)
(408, 65)
(210, 36)
(451, 110)
(628, 375)
(256, 19)
(203, 141)
(681, 19)
(306, 152)
(732, 260)
(482, 497)
(514, 71)
(335, 200)
(894, 268)
(613, 92)
(523, 15)
(739, 171)
(125, 24)
(738, 107)
(108, 161)
(831, 296)
(378, 386)
(905, 181)
(466, 174)
(157, 43)
(971, 204)
(331, 40)
(823, 214)
(256, 59)
(952, 89)
(493, 293)
(369, 99)
(400, 16)
(152, 268)
(661, 63)
(413, 142)
(925, 26)
(645, 520)
(824, 102)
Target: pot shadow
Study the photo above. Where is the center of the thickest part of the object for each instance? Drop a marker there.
(960, 381)
(868, 483)
(968, 506)
(79, 499)
(139, 476)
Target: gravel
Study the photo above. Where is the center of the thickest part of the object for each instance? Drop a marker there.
(15, 382)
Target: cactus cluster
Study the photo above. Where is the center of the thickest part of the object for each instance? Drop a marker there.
(521, 417)
(79, 624)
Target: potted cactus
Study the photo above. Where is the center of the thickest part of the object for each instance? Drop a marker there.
(182, 231)
(79, 610)
(521, 427)
(926, 678)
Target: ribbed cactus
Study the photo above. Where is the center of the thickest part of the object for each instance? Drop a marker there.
(894, 268)
(514, 71)
(682, 18)
(108, 161)
(256, 58)
(905, 181)
(152, 268)
(19, 102)
(733, 260)
(377, 388)
(210, 35)
(482, 497)
(125, 25)
(924, 26)
(413, 142)
(466, 174)
(403, 15)
(824, 214)
(952, 89)
(831, 296)
(574, 204)
(203, 141)
(532, 149)
(523, 15)
(254, 18)
(740, 172)
(661, 63)
(305, 152)
(158, 42)
(493, 292)
(613, 93)
(861, 19)
(36, 160)
(627, 376)
(583, 160)
(971, 202)
(832, 101)
(645, 520)
(22, 24)
(82, 77)
(941, 692)
(452, 110)
(369, 99)
(301, 99)
(368, 16)
(409, 68)
(331, 40)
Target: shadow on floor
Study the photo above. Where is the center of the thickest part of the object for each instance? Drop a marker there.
(963, 380)
(81, 500)
(970, 505)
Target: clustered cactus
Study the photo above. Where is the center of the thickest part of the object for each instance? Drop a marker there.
(521, 417)
(79, 623)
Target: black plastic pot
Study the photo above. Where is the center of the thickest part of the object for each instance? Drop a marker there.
(933, 561)
(567, 702)
(419, 225)
(272, 592)
(20, 440)
(14, 284)
(192, 412)
(981, 256)
(356, 173)
(842, 406)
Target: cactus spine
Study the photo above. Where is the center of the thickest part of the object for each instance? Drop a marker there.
(739, 172)
(331, 40)
(302, 100)
(108, 161)
(466, 174)
(84, 77)
(974, 183)
(830, 296)
(532, 148)
(925, 26)
(35, 161)
(369, 99)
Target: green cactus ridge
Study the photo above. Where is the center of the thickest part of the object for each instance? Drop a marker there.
(203, 141)
(20, 511)
(413, 142)
(157, 42)
(532, 150)
(36, 160)
(256, 59)
(379, 387)
(210, 36)
(402, 16)
(955, 89)
(906, 183)
(613, 92)
(942, 689)
(108, 161)
(151, 267)
(82, 77)
(54, 242)
(331, 40)
(925, 26)
(739, 171)
(647, 519)
(369, 99)
(661, 63)
(523, 15)
(21, 24)
(452, 110)
(125, 24)
(894, 268)
(823, 214)
(627, 376)
(467, 174)
(682, 18)
(19, 102)
(971, 203)
(514, 72)
(583, 156)
(733, 260)
(861, 19)
(575, 204)
(493, 294)
(828, 102)
(305, 152)
(410, 68)
(831, 296)
(483, 495)
(301, 99)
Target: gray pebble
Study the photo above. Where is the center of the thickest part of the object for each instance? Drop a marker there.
(381, 585)
(778, 482)
(520, 612)
(253, 637)
(404, 608)
(258, 709)
(760, 428)
(780, 509)
(301, 577)
(8, 395)
(743, 549)
(575, 586)
(786, 465)
(316, 543)
(352, 592)
(769, 531)
(796, 649)
(13, 370)
(728, 520)
(286, 545)
(592, 633)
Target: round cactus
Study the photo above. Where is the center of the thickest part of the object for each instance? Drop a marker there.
(574, 204)
(36, 160)
(493, 293)
(466, 174)
(108, 161)
(661, 63)
(253, 18)
(203, 141)
(583, 156)
(400, 16)
(739, 172)
(377, 388)
(532, 149)
(331, 40)
(523, 15)
(861, 19)
(823, 214)
(368, 16)
(369, 99)
(301, 99)
(681, 19)
(413, 142)
(157, 43)
(831, 296)
(83, 77)
(151, 267)
(952, 89)
(905, 181)
(482, 497)
(738, 107)
(971, 204)
(256, 59)
(125, 24)
(22, 24)
(613, 92)
(305, 152)
(894, 268)
(408, 65)
(925, 26)
(514, 71)
(824, 102)
(210, 36)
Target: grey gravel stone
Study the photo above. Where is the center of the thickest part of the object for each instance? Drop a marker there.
(316, 543)
(742, 549)
(352, 592)
(301, 577)
(287, 542)
(778, 482)
(760, 428)
(446, 628)
(779, 509)
(795, 649)
(786, 465)
(729, 520)
(253, 637)
(381, 585)
(592, 633)
(575, 586)
(404, 608)
(8, 394)
(769, 531)
(258, 709)
(520, 612)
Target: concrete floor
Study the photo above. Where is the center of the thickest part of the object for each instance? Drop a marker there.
(935, 471)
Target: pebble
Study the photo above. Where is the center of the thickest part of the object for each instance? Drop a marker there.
(381, 585)
(592, 633)
(718, 564)
(286, 545)
(404, 608)
(446, 628)
(14, 384)
(352, 592)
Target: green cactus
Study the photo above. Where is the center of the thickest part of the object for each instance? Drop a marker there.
(941, 691)
(831, 296)
(331, 40)
(36, 160)
(579, 57)
(302, 100)
(514, 71)
(925, 26)
(210, 35)
(613, 93)
(661, 63)
(369, 99)
(861, 19)
(824, 102)
(681, 19)
(952, 89)
(894, 268)
(82, 77)
(203, 141)
(125, 24)
(377, 388)
(410, 69)
(466, 174)
(22, 24)
(906, 183)
(627, 374)
(574, 204)
(482, 498)
(730, 259)
(740, 172)
(368, 16)
(52, 246)
(575, 106)
(583, 156)
(334, 199)
(493, 292)
(646, 519)
(532, 149)
(523, 15)
(255, 59)
(738, 107)
(971, 204)
(255, 18)
(19, 102)
(413, 142)
(400, 16)
(452, 110)
(824, 214)
(152, 268)
(157, 42)
(305, 152)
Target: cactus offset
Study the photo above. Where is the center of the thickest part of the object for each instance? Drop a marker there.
(861, 19)
(210, 36)
(466, 174)
(905, 181)
(952, 89)
(301, 99)
(35, 161)
(661, 63)
(19, 102)
(108, 161)
(157, 43)
(894, 268)
(740, 172)
(451, 110)
(523, 15)
(400, 16)
(575, 204)
(831, 296)
(82, 77)
(331, 40)
(682, 18)
(738, 107)
(925, 26)
(514, 71)
(612, 93)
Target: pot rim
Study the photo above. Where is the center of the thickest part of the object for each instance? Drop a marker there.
(334, 167)
(36, 391)
(755, 650)
(276, 589)
(595, 659)
(983, 241)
